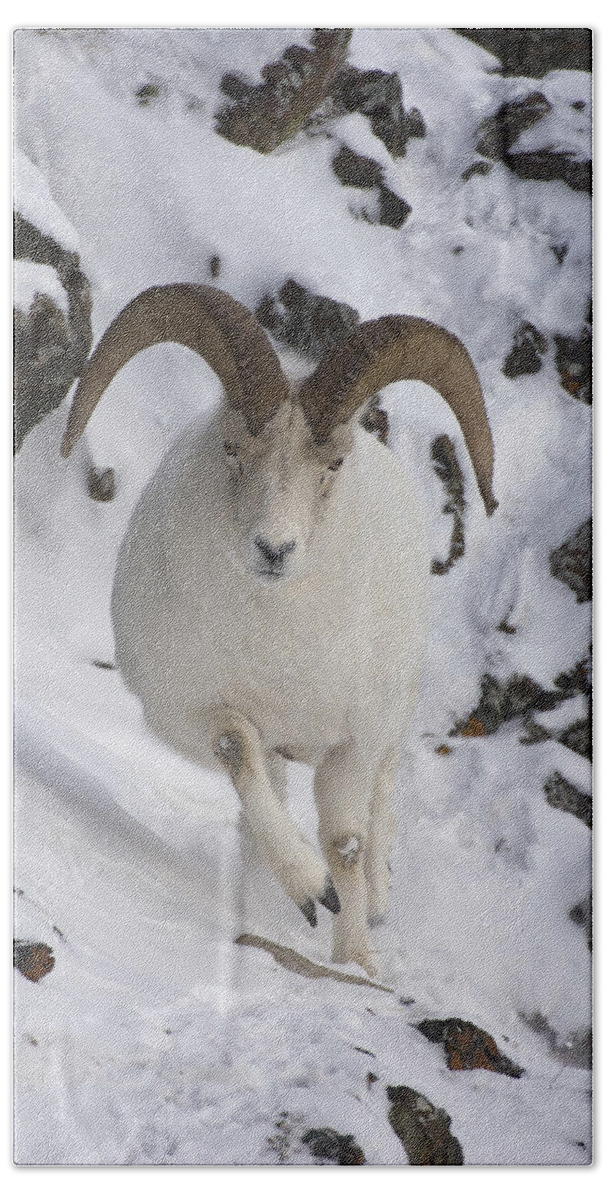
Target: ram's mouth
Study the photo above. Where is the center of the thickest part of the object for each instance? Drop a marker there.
(269, 573)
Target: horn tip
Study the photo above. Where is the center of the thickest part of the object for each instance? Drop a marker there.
(491, 504)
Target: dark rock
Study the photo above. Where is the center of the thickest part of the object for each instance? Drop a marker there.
(50, 350)
(33, 959)
(565, 796)
(423, 1129)
(571, 562)
(468, 1048)
(147, 93)
(560, 252)
(328, 1146)
(101, 484)
(304, 321)
(500, 131)
(446, 466)
(355, 170)
(521, 696)
(215, 265)
(533, 52)
(266, 114)
(393, 210)
(582, 914)
(577, 737)
(524, 358)
(477, 168)
(377, 95)
(573, 361)
(549, 165)
(575, 1050)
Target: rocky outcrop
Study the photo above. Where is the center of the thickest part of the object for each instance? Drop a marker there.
(548, 165)
(446, 466)
(520, 697)
(423, 1129)
(571, 563)
(533, 52)
(264, 115)
(50, 347)
(377, 95)
(356, 170)
(468, 1048)
(525, 356)
(565, 796)
(305, 321)
(328, 1146)
(500, 131)
(34, 960)
(573, 361)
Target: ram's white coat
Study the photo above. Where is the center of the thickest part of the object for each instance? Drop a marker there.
(323, 664)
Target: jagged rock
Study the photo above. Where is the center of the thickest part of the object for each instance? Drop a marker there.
(547, 165)
(33, 959)
(577, 737)
(304, 321)
(446, 466)
(500, 131)
(147, 93)
(423, 1129)
(50, 349)
(565, 796)
(582, 914)
(468, 1048)
(525, 356)
(266, 114)
(521, 696)
(378, 96)
(102, 484)
(477, 168)
(571, 562)
(533, 52)
(355, 170)
(573, 361)
(574, 1050)
(326, 1145)
(393, 209)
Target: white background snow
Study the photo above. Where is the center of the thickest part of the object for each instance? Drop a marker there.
(155, 1039)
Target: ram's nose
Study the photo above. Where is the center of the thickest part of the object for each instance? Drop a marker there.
(274, 555)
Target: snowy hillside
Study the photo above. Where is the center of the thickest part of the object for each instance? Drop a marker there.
(155, 1038)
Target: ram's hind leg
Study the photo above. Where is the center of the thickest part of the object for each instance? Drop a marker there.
(298, 868)
(343, 787)
(381, 837)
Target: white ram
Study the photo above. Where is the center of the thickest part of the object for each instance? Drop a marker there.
(270, 597)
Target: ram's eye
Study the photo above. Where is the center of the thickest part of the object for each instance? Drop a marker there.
(231, 449)
(336, 464)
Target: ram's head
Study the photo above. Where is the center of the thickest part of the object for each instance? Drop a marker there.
(284, 445)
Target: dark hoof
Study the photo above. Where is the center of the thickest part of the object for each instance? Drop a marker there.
(330, 898)
(308, 908)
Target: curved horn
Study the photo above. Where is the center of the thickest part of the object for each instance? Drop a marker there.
(206, 320)
(390, 348)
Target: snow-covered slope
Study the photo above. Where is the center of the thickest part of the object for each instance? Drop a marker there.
(155, 1039)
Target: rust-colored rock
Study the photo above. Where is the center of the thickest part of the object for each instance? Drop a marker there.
(468, 1048)
(33, 959)
(473, 728)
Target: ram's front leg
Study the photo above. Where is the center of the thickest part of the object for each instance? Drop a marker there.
(294, 862)
(343, 791)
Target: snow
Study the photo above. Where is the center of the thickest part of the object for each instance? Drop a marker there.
(155, 1039)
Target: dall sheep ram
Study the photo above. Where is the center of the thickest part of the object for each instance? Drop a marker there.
(270, 597)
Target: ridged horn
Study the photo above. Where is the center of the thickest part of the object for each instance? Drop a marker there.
(206, 320)
(396, 347)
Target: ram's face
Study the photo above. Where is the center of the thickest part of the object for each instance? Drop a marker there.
(280, 485)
